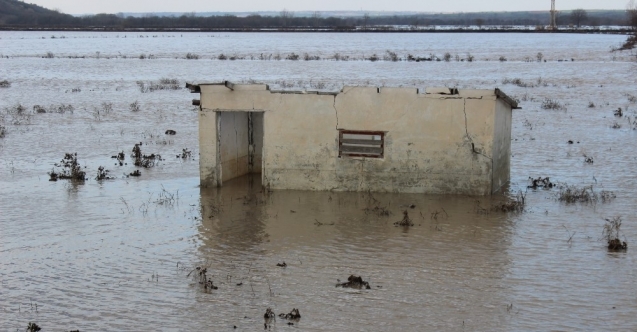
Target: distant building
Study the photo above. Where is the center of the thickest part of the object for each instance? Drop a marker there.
(439, 141)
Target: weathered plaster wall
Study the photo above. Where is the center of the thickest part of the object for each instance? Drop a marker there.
(434, 143)
(502, 146)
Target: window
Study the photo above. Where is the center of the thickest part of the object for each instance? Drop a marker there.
(355, 143)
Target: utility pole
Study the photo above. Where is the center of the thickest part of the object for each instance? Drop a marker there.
(553, 25)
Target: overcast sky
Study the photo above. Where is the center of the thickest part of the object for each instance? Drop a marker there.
(115, 6)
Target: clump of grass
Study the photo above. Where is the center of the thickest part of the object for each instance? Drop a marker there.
(292, 56)
(134, 106)
(18, 115)
(551, 104)
(5, 84)
(60, 109)
(308, 57)
(591, 104)
(539, 56)
(514, 204)
(517, 81)
(71, 169)
(3, 131)
(222, 57)
(166, 198)
(611, 234)
(447, 57)
(391, 56)
(192, 56)
(586, 194)
(502, 58)
(470, 57)
(573, 194)
(616, 125)
(49, 55)
(373, 58)
(406, 221)
(162, 84)
(185, 154)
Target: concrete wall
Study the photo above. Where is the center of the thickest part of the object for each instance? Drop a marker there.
(501, 146)
(434, 143)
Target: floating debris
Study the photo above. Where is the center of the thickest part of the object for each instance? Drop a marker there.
(354, 282)
(281, 264)
(618, 112)
(171, 132)
(135, 173)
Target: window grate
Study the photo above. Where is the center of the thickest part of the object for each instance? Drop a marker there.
(357, 143)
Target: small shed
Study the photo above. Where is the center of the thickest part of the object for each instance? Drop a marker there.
(387, 139)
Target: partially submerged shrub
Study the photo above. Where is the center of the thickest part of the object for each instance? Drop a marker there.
(574, 194)
(406, 221)
(71, 169)
(551, 104)
(391, 56)
(141, 160)
(18, 115)
(5, 84)
(447, 57)
(611, 234)
(502, 58)
(49, 55)
(102, 174)
(192, 56)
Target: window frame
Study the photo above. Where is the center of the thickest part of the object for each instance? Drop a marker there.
(361, 143)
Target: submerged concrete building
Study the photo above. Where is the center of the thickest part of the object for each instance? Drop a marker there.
(441, 140)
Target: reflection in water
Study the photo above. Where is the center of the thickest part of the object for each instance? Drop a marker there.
(453, 258)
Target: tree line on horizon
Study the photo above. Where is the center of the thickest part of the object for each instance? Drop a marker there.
(14, 13)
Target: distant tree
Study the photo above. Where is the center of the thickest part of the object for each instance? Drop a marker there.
(286, 17)
(631, 10)
(316, 18)
(479, 22)
(365, 21)
(578, 16)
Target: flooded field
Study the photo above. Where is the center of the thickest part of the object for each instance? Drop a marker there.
(121, 254)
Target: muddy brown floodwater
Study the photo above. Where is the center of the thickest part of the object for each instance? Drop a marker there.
(122, 254)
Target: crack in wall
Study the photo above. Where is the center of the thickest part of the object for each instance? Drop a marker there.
(468, 137)
(336, 111)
